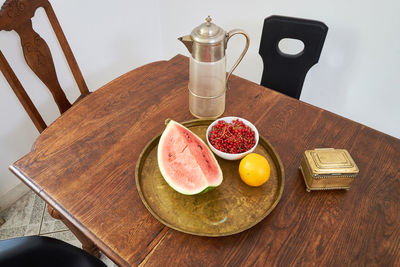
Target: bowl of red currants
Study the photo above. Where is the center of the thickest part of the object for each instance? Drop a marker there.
(232, 138)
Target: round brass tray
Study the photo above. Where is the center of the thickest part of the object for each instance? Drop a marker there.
(228, 209)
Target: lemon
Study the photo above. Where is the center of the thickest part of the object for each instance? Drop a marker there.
(254, 169)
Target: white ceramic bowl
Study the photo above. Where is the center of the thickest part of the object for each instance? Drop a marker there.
(229, 156)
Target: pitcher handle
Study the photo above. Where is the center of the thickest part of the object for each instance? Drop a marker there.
(228, 36)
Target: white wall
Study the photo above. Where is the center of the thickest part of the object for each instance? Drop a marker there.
(357, 75)
(358, 72)
(108, 39)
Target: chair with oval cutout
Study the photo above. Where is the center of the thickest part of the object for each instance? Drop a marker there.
(285, 72)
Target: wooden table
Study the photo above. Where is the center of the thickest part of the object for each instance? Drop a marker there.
(84, 165)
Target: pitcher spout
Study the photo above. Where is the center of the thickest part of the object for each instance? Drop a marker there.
(187, 41)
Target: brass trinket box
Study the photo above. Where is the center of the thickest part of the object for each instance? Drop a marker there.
(328, 168)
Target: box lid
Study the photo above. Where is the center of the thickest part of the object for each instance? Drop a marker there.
(330, 162)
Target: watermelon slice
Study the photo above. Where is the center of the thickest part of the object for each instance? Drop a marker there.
(185, 161)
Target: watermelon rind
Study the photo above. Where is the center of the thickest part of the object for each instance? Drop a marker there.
(166, 177)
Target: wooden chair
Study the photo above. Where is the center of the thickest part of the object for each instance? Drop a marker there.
(283, 72)
(16, 15)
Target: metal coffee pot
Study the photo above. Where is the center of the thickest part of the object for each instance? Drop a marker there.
(207, 70)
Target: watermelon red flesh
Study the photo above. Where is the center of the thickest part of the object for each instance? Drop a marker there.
(185, 161)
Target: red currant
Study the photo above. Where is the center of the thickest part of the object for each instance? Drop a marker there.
(233, 138)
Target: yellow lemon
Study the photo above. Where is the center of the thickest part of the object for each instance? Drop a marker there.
(254, 169)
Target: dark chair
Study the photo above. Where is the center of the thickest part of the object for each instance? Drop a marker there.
(16, 15)
(283, 72)
(43, 251)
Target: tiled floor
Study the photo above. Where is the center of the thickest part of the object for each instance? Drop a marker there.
(29, 216)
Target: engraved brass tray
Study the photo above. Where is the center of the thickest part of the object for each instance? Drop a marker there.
(228, 209)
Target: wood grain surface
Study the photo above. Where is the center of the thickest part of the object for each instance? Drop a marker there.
(84, 164)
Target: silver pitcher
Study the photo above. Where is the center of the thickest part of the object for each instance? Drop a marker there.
(207, 71)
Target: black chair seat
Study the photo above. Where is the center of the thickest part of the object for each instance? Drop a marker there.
(44, 251)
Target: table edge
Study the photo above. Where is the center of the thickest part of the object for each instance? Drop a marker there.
(49, 200)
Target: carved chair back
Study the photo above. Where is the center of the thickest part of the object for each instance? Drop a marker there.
(16, 15)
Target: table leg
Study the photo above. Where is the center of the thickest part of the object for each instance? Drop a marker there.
(87, 245)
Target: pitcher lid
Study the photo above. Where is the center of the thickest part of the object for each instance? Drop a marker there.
(208, 33)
